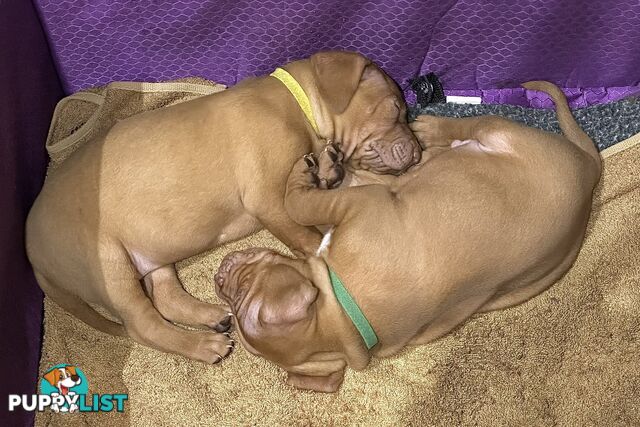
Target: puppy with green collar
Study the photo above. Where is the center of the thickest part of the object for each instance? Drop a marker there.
(494, 214)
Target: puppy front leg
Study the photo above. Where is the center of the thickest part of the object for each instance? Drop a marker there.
(309, 205)
(299, 239)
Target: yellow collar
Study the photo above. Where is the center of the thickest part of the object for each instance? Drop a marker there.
(297, 92)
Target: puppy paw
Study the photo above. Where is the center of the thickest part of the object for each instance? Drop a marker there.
(217, 317)
(429, 131)
(324, 171)
(211, 347)
(224, 325)
(330, 171)
(305, 172)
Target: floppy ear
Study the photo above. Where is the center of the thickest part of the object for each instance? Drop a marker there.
(374, 74)
(52, 376)
(337, 75)
(289, 304)
(71, 369)
(326, 384)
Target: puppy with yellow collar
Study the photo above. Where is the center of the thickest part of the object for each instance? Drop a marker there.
(164, 185)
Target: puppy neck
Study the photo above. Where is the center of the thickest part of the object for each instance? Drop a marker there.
(333, 318)
(325, 120)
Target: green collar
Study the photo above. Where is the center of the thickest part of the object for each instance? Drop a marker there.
(353, 311)
(298, 93)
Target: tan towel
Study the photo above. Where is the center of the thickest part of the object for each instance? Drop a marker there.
(81, 116)
(570, 356)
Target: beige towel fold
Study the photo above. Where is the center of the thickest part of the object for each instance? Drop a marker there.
(569, 357)
(83, 115)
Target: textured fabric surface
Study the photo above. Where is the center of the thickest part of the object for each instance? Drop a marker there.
(468, 43)
(80, 117)
(29, 89)
(606, 124)
(567, 357)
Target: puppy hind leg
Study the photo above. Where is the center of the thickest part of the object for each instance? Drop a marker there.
(436, 131)
(77, 307)
(489, 133)
(145, 325)
(176, 305)
(522, 292)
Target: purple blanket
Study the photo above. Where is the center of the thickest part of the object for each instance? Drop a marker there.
(475, 47)
(29, 90)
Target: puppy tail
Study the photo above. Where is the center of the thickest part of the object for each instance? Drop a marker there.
(80, 309)
(568, 124)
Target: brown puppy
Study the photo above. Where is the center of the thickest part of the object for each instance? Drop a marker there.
(171, 183)
(493, 219)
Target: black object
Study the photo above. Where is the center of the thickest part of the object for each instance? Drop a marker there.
(428, 90)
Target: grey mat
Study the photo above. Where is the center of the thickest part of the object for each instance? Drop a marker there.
(606, 124)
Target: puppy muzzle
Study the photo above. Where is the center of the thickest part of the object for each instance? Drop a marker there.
(393, 158)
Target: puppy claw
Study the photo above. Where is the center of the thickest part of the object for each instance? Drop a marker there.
(330, 171)
(310, 160)
(230, 349)
(333, 151)
(224, 325)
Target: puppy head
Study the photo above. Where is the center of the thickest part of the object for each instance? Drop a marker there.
(278, 312)
(66, 376)
(370, 111)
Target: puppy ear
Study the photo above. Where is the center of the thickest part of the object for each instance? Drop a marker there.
(52, 376)
(71, 370)
(373, 73)
(337, 75)
(288, 304)
(326, 384)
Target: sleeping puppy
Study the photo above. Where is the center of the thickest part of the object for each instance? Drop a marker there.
(491, 220)
(168, 184)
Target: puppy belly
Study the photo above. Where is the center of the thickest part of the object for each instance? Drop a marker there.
(470, 144)
(182, 240)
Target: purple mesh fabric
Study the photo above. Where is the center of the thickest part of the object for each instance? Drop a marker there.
(29, 90)
(470, 44)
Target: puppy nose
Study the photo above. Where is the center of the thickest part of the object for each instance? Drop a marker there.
(404, 153)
